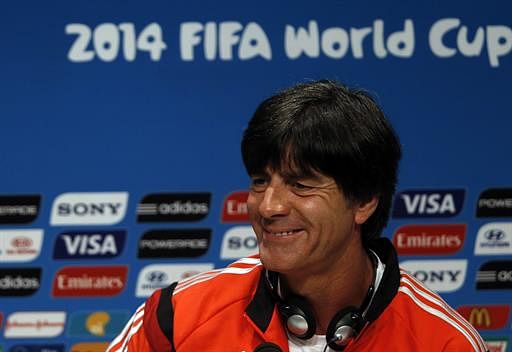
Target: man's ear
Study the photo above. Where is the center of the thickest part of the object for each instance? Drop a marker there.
(365, 209)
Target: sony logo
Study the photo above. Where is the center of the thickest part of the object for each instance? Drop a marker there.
(439, 275)
(105, 208)
(83, 209)
(238, 242)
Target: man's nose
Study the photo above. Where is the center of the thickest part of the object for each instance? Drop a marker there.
(274, 202)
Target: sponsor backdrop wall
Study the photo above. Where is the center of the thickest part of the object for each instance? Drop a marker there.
(119, 147)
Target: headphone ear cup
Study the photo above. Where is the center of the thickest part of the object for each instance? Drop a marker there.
(344, 327)
(298, 317)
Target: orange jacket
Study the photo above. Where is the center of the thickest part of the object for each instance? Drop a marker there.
(232, 309)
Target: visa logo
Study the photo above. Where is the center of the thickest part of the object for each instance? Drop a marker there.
(428, 203)
(104, 244)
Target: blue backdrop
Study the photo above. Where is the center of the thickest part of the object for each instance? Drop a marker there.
(123, 119)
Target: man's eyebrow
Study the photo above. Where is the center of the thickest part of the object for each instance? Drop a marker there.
(258, 174)
(296, 175)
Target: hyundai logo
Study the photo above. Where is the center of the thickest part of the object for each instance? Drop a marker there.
(156, 276)
(494, 235)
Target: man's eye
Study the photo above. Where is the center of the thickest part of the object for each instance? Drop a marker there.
(301, 186)
(258, 181)
(258, 184)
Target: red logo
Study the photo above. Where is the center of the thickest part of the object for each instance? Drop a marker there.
(429, 239)
(235, 207)
(21, 242)
(77, 281)
(486, 317)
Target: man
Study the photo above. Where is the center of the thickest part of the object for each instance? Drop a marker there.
(323, 163)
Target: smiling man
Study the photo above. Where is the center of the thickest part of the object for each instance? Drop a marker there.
(323, 163)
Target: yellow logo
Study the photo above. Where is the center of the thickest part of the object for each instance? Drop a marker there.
(480, 317)
(90, 347)
(96, 323)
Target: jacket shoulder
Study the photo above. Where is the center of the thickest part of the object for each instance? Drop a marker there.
(233, 282)
(203, 300)
(430, 320)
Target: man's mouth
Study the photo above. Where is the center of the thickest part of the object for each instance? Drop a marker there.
(283, 233)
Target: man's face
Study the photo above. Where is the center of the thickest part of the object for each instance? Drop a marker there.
(303, 224)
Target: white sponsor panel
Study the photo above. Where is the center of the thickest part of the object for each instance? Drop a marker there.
(239, 242)
(497, 345)
(22, 245)
(34, 324)
(100, 208)
(494, 239)
(157, 276)
(438, 275)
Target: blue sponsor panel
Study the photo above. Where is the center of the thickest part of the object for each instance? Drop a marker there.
(89, 244)
(428, 203)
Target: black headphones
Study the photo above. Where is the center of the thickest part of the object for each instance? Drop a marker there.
(299, 320)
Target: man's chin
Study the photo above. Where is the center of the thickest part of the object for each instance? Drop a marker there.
(277, 264)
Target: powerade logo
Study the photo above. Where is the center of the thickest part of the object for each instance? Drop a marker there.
(102, 208)
(19, 209)
(19, 281)
(174, 243)
(430, 203)
(495, 202)
(495, 275)
(96, 324)
(89, 244)
(22, 245)
(239, 242)
(438, 275)
(157, 276)
(234, 208)
(486, 317)
(494, 239)
(79, 281)
(429, 239)
(34, 324)
(37, 348)
(161, 207)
